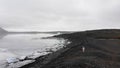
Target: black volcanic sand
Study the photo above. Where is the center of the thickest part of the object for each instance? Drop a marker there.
(102, 51)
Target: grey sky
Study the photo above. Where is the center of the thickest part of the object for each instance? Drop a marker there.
(50, 15)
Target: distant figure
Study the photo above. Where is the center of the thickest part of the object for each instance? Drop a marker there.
(83, 49)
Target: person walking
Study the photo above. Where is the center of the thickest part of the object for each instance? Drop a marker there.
(83, 49)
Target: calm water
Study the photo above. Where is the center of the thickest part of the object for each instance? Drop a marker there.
(25, 44)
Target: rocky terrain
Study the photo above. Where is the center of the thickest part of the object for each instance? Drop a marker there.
(102, 50)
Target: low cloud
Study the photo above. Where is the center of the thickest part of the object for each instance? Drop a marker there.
(44, 15)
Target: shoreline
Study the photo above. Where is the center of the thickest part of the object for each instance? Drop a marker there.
(23, 60)
(45, 59)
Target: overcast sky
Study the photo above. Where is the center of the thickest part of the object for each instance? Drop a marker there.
(49, 15)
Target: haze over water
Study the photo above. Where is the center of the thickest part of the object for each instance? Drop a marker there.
(25, 44)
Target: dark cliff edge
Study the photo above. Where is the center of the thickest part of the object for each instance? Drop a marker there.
(3, 31)
(102, 50)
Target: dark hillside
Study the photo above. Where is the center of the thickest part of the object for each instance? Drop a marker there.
(2, 31)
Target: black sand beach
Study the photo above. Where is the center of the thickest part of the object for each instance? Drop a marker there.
(102, 50)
